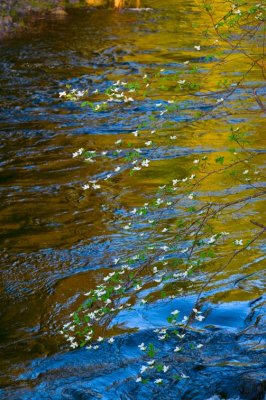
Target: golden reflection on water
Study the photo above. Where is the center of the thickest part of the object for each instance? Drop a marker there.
(116, 3)
(58, 240)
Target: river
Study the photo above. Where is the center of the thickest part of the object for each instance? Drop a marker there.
(57, 239)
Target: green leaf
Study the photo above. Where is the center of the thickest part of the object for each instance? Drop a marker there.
(219, 160)
(159, 367)
(151, 351)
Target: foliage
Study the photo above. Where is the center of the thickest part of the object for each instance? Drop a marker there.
(195, 239)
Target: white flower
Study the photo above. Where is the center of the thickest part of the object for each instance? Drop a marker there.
(145, 163)
(143, 369)
(172, 137)
(220, 100)
(116, 260)
(126, 227)
(164, 230)
(152, 132)
(135, 133)
(199, 346)
(148, 143)
(177, 349)
(155, 269)
(239, 242)
(175, 275)
(117, 169)
(111, 340)
(175, 181)
(91, 160)
(61, 94)
(199, 318)
(158, 381)
(86, 186)
(197, 48)
(165, 368)
(158, 104)
(94, 186)
(181, 82)
(70, 339)
(192, 176)
(145, 76)
(74, 345)
(185, 250)
(184, 376)
(195, 161)
(78, 152)
(212, 239)
(151, 362)
(186, 62)
(142, 347)
(118, 141)
(175, 312)
(191, 196)
(245, 172)
(139, 379)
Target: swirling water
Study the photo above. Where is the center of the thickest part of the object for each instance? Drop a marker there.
(56, 239)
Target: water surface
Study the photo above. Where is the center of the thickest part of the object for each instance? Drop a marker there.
(56, 239)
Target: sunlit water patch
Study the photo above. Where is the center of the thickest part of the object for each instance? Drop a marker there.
(59, 240)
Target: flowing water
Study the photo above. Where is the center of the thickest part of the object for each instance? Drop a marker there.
(56, 238)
